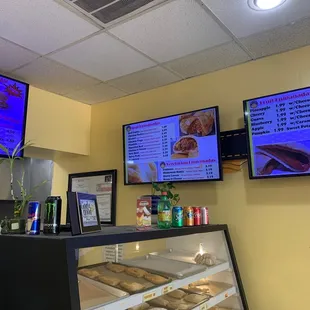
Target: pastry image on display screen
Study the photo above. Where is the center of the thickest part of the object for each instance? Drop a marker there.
(140, 173)
(280, 158)
(185, 147)
(199, 124)
(3, 100)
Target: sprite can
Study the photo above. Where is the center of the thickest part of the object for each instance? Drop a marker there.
(177, 216)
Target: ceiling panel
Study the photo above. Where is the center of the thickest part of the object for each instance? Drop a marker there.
(216, 58)
(144, 80)
(171, 31)
(96, 94)
(280, 39)
(13, 56)
(49, 75)
(244, 21)
(41, 25)
(103, 57)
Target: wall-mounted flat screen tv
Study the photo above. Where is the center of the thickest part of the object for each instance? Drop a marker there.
(13, 113)
(178, 148)
(278, 134)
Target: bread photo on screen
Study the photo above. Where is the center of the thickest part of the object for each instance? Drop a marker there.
(290, 157)
(186, 145)
(141, 173)
(199, 123)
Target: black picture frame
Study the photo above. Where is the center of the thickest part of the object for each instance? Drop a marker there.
(25, 114)
(110, 176)
(90, 198)
(217, 132)
(248, 138)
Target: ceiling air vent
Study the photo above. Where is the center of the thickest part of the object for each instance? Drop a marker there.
(109, 12)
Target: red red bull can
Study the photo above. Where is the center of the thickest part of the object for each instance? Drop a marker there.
(33, 222)
(205, 215)
(197, 216)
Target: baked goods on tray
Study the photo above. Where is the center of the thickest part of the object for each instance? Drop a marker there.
(203, 281)
(108, 280)
(135, 272)
(159, 302)
(205, 259)
(92, 274)
(180, 305)
(155, 279)
(185, 145)
(178, 294)
(115, 267)
(194, 298)
(131, 287)
(143, 306)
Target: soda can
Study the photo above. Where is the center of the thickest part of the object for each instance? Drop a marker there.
(33, 222)
(205, 215)
(52, 215)
(177, 216)
(188, 216)
(197, 216)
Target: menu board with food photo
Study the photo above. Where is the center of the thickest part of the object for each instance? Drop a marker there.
(182, 147)
(278, 130)
(13, 108)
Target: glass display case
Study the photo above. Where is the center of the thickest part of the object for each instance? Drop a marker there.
(121, 268)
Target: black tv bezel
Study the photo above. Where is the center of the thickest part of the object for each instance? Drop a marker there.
(25, 113)
(246, 125)
(218, 131)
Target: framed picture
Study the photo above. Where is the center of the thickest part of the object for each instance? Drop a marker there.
(99, 183)
(84, 214)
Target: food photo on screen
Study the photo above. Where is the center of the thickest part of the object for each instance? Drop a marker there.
(283, 159)
(185, 147)
(199, 123)
(141, 173)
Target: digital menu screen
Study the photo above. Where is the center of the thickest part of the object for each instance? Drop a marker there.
(13, 110)
(178, 148)
(278, 131)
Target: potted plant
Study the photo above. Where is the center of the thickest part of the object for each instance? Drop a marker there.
(166, 187)
(17, 224)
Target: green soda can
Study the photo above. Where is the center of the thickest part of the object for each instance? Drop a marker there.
(177, 216)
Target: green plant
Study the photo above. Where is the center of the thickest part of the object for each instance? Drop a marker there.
(22, 201)
(166, 187)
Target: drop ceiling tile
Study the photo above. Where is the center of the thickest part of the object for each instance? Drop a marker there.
(144, 80)
(52, 76)
(97, 93)
(244, 21)
(216, 58)
(280, 39)
(103, 57)
(13, 56)
(171, 31)
(41, 25)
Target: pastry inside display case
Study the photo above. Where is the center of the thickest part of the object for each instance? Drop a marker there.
(183, 273)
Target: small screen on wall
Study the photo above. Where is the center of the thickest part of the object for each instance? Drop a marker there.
(13, 110)
(178, 148)
(278, 131)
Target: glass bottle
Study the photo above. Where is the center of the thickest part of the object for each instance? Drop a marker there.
(164, 212)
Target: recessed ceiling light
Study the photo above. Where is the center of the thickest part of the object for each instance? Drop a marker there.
(262, 5)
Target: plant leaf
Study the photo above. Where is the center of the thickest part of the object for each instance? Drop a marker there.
(4, 149)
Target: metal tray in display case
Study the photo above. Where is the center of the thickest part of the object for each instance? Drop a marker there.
(94, 294)
(161, 265)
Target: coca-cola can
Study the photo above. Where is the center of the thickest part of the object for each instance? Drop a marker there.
(197, 216)
(204, 215)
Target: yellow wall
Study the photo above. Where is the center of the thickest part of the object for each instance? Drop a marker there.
(268, 219)
(58, 123)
